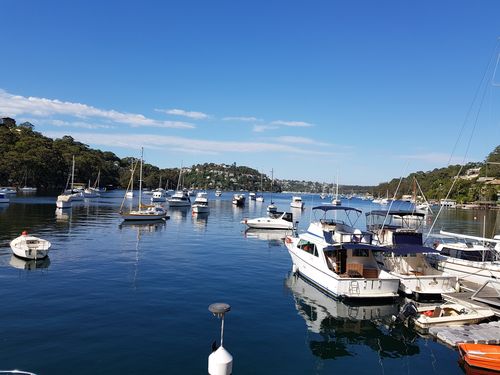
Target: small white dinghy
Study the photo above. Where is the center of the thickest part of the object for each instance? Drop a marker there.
(29, 247)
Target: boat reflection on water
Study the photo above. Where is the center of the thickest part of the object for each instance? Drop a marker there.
(274, 237)
(24, 264)
(144, 226)
(63, 215)
(200, 220)
(338, 329)
(179, 212)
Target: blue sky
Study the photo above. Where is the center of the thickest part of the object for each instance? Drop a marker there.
(373, 89)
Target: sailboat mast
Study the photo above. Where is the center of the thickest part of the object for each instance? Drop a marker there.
(140, 180)
(73, 173)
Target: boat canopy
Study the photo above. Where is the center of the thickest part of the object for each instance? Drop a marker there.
(405, 249)
(352, 214)
(395, 213)
(329, 207)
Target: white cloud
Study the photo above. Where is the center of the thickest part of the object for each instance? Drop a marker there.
(242, 118)
(180, 112)
(77, 124)
(300, 140)
(185, 144)
(263, 128)
(13, 105)
(292, 123)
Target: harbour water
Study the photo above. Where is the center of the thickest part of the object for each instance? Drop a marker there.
(119, 298)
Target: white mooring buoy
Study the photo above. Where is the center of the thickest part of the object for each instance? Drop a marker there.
(220, 362)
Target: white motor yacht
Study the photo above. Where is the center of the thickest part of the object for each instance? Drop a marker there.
(200, 204)
(340, 259)
(401, 233)
(159, 195)
(4, 198)
(64, 201)
(29, 247)
(218, 193)
(297, 203)
(276, 220)
(471, 258)
(179, 199)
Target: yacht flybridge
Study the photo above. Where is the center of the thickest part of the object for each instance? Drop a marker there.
(340, 259)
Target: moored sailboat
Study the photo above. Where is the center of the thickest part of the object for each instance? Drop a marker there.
(143, 212)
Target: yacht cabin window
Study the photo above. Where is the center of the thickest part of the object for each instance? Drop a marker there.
(308, 247)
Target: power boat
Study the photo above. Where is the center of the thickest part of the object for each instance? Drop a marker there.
(338, 258)
(471, 258)
(480, 356)
(239, 200)
(179, 199)
(200, 204)
(297, 203)
(276, 220)
(4, 198)
(8, 190)
(143, 212)
(272, 208)
(64, 201)
(218, 193)
(447, 314)
(159, 195)
(405, 258)
(252, 196)
(29, 247)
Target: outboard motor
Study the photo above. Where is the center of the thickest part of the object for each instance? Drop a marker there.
(407, 311)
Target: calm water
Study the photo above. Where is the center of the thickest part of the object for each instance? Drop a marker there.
(132, 299)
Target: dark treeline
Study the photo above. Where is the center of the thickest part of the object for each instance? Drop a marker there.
(436, 183)
(30, 158)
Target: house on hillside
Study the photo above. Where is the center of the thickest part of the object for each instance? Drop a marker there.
(8, 122)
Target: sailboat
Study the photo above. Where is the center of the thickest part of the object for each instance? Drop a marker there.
(94, 191)
(272, 207)
(260, 197)
(70, 195)
(336, 201)
(26, 188)
(143, 212)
